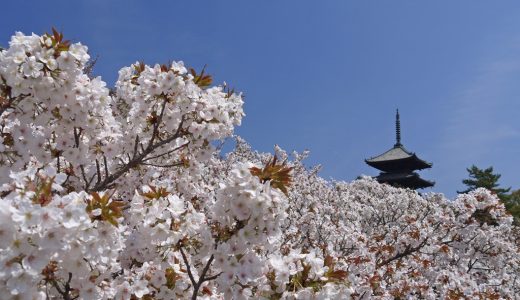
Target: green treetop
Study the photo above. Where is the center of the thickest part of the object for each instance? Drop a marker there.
(512, 204)
(486, 179)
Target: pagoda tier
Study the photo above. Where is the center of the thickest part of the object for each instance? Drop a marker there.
(397, 165)
(397, 159)
(411, 180)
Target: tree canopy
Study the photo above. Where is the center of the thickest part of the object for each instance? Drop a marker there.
(512, 204)
(484, 178)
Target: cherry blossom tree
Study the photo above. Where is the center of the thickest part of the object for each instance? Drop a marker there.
(369, 240)
(122, 194)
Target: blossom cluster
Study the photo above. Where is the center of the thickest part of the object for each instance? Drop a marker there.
(51, 110)
(48, 238)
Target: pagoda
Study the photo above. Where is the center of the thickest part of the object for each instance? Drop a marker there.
(397, 165)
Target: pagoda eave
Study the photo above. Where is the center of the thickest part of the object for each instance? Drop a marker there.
(409, 163)
(412, 180)
(397, 165)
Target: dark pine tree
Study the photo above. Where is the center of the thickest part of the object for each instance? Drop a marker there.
(486, 179)
(512, 204)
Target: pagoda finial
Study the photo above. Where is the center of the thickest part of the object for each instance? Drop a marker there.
(397, 130)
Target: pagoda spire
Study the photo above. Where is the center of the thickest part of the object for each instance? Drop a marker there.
(397, 130)
(398, 165)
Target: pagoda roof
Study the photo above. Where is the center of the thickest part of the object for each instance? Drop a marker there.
(397, 159)
(410, 180)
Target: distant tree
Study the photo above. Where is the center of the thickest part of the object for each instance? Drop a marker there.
(486, 179)
(512, 204)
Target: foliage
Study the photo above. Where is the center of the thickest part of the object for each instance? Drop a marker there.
(512, 203)
(278, 174)
(121, 195)
(484, 178)
(102, 208)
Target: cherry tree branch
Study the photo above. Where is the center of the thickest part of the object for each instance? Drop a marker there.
(409, 250)
(202, 278)
(65, 292)
(139, 158)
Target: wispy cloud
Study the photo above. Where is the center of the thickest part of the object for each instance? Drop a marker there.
(483, 109)
(481, 125)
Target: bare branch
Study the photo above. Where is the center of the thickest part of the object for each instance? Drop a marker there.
(138, 159)
(77, 134)
(98, 171)
(87, 182)
(202, 277)
(177, 164)
(409, 250)
(212, 277)
(58, 163)
(65, 292)
(157, 124)
(168, 152)
(185, 259)
(135, 145)
(106, 165)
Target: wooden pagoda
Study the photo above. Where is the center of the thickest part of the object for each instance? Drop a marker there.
(397, 165)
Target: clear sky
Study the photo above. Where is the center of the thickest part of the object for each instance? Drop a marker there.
(328, 75)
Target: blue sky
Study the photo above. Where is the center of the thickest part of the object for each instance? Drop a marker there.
(328, 75)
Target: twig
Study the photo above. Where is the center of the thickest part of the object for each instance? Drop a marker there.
(58, 163)
(135, 145)
(138, 159)
(65, 292)
(166, 153)
(106, 165)
(409, 250)
(202, 277)
(185, 259)
(180, 163)
(87, 182)
(98, 171)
